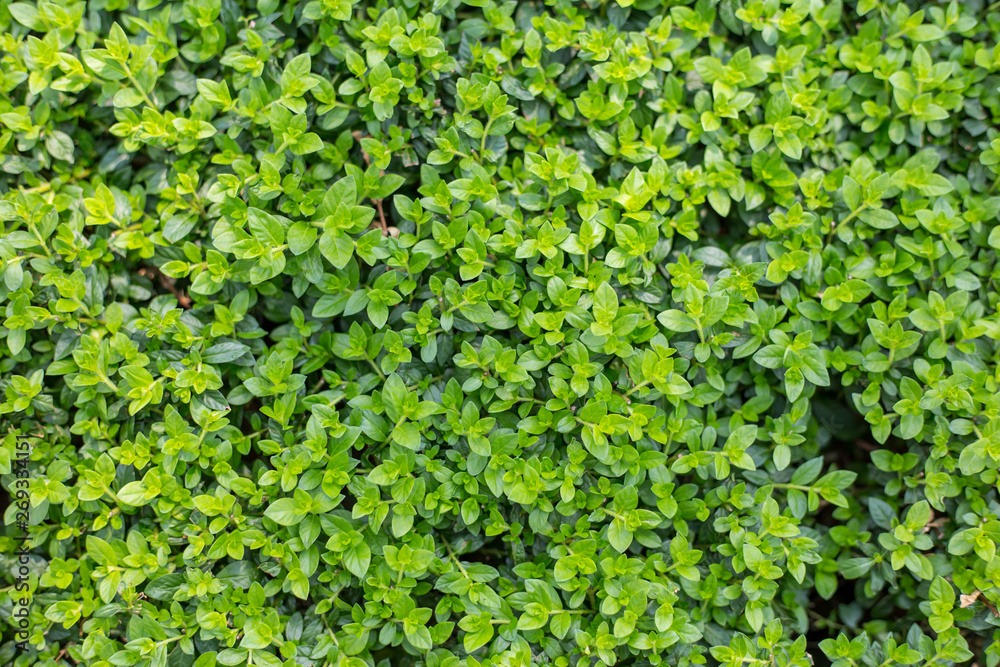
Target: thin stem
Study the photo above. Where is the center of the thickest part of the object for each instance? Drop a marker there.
(106, 380)
(486, 131)
(145, 97)
(454, 558)
(636, 388)
(378, 371)
(113, 495)
(798, 487)
(833, 225)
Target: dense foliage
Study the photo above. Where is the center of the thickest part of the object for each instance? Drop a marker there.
(446, 334)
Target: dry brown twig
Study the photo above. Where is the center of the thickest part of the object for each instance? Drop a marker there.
(378, 202)
(167, 282)
(966, 601)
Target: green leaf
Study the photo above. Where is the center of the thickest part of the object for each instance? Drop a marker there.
(60, 146)
(619, 536)
(284, 511)
(266, 227)
(605, 304)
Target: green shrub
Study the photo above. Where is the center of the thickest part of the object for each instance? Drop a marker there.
(444, 334)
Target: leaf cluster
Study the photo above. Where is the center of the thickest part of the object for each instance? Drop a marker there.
(468, 333)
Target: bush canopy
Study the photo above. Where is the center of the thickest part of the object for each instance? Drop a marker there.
(465, 333)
